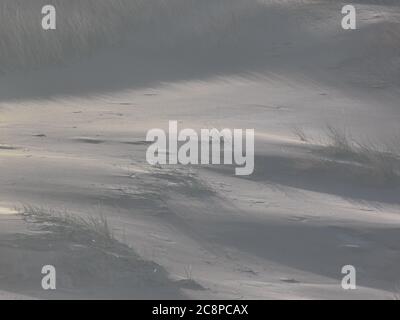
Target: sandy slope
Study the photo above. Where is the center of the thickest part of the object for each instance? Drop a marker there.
(284, 232)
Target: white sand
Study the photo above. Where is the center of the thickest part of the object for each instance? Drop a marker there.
(283, 233)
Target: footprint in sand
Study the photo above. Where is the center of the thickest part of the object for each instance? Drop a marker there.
(7, 147)
(123, 103)
(289, 280)
(89, 140)
(138, 143)
(298, 219)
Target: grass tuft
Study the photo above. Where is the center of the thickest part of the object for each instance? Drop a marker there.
(84, 26)
(381, 161)
(376, 163)
(97, 228)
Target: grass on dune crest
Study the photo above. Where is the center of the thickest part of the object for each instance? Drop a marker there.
(91, 262)
(381, 161)
(94, 227)
(84, 26)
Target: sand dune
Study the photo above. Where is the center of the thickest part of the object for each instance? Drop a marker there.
(73, 140)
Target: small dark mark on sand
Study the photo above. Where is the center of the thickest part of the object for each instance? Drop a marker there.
(90, 140)
(289, 280)
(138, 143)
(5, 147)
